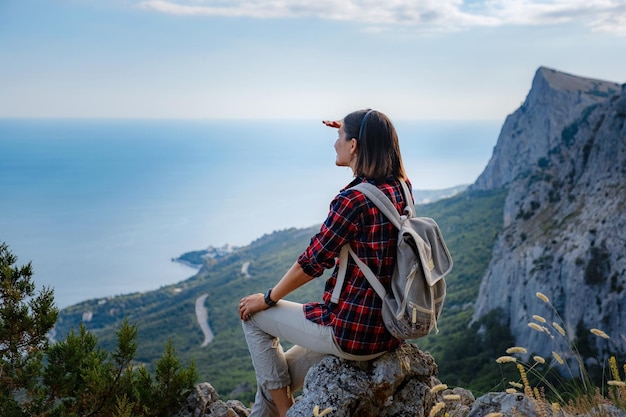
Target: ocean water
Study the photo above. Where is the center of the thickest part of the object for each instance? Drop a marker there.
(101, 207)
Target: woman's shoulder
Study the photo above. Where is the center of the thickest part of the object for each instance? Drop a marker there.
(351, 198)
(390, 186)
(387, 183)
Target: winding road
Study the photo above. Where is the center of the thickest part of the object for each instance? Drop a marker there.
(203, 320)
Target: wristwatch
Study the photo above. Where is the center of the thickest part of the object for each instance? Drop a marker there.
(268, 300)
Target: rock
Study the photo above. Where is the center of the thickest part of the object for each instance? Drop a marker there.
(606, 410)
(461, 407)
(204, 402)
(513, 405)
(620, 105)
(396, 384)
(519, 405)
(400, 383)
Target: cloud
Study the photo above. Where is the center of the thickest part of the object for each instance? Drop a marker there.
(598, 15)
(424, 15)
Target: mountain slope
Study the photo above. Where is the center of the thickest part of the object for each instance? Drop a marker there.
(170, 312)
(562, 156)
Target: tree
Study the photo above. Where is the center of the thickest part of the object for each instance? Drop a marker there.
(163, 396)
(25, 320)
(79, 377)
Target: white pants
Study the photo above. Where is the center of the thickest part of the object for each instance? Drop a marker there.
(277, 369)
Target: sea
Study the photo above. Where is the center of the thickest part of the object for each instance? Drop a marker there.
(101, 207)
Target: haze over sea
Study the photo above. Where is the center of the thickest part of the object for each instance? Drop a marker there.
(101, 207)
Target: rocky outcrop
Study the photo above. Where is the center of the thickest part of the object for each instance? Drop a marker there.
(395, 384)
(508, 404)
(562, 156)
(204, 402)
(401, 383)
(517, 405)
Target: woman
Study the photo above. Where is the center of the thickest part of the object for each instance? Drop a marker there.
(353, 328)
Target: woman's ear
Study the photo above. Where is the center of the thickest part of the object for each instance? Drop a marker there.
(354, 144)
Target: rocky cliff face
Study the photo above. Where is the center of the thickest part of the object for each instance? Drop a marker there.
(562, 155)
(555, 100)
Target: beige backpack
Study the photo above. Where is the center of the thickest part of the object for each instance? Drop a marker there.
(418, 285)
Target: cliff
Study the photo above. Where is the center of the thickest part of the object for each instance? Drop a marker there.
(562, 156)
(555, 100)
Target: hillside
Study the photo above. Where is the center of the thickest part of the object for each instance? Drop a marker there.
(469, 221)
(170, 312)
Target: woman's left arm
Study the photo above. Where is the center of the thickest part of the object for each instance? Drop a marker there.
(338, 229)
(292, 280)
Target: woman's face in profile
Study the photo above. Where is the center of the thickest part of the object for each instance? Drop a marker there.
(345, 148)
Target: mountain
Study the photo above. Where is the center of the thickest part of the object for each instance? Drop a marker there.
(562, 157)
(555, 101)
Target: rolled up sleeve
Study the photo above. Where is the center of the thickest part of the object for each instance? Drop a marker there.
(339, 228)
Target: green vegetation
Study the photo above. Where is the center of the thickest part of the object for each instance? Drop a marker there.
(470, 221)
(75, 377)
(25, 318)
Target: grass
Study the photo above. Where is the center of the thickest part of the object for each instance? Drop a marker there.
(563, 382)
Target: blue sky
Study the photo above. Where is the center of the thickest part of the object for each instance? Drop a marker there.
(296, 59)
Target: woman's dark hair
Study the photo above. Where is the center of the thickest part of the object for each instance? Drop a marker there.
(378, 151)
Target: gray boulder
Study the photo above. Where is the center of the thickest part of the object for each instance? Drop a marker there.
(520, 405)
(513, 405)
(204, 402)
(396, 384)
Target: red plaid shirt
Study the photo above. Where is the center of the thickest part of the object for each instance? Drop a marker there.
(357, 318)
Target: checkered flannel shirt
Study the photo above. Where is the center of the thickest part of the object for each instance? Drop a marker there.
(357, 318)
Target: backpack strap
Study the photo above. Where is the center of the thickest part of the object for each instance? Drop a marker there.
(386, 207)
(381, 201)
(367, 272)
(408, 199)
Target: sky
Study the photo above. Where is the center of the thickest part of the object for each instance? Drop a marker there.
(296, 59)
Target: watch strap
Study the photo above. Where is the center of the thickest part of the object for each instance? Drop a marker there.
(268, 299)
